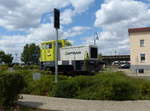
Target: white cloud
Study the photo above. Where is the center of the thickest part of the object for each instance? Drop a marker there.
(75, 31)
(12, 44)
(119, 10)
(42, 33)
(29, 12)
(81, 5)
(23, 14)
(125, 41)
(115, 17)
(66, 16)
(80, 28)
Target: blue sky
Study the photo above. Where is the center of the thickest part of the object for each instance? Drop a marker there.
(26, 21)
(79, 20)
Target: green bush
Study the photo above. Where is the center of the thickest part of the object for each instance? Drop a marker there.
(102, 86)
(26, 67)
(69, 88)
(3, 67)
(108, 86)
(17, 67)
(115, 86)
(144, 89)
(66, 89)
(10, 86)
(39, 87)
(115, 90)
(44, 86)
(30, 67)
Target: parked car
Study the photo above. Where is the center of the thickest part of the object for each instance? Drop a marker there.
(125, 66)
(115, 63)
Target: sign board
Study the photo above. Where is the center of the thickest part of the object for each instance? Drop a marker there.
(36, 76)
(74, 53)
(56, 18)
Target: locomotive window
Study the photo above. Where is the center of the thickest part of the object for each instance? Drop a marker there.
(46, 46)
(43, 46)
(93, 52)
(49, 46)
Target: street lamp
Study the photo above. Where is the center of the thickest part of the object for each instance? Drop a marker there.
(95, 37)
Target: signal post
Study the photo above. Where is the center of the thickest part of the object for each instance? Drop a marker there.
(56, 26)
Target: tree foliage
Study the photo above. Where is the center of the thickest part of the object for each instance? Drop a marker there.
(6, 58)
(30, 54)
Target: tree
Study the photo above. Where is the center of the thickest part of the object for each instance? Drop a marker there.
(30, 54)
(6, 58)
(2, 54)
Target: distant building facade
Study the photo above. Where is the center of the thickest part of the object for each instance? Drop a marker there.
(140, 49)
(109, 59)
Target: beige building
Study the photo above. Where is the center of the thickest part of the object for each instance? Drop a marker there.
(140, 49)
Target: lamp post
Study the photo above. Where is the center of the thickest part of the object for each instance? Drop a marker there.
(95, 37)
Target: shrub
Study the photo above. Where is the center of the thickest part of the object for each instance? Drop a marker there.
(10, 86)
(30, 67)
(44, 86)
(17, 67)
(70, 88)
(108, 86)
(144, 89)
(3, 67)
(115, 86)
(66, 89)
(39, 87)
(116, 90)
(103, 86)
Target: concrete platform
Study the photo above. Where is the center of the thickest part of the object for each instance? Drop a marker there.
(61, 104)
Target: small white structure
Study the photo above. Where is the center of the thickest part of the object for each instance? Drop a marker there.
(78, 53)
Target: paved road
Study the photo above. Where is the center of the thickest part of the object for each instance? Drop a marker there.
(61, 104)
(134, 74)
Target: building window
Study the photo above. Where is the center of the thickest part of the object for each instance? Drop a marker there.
(142, 57)
(141, 70)
(141, 43)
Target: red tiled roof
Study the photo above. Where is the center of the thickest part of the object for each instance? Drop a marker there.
(139, 29)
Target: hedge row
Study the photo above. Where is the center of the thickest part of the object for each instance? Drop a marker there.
(107, 86)
(44, 86)
(103, 87)
(10, 86)
(26, 67)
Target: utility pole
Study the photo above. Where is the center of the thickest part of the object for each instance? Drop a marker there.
(56, 25)
(16, 57)
(56, 57)
(115, 55)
